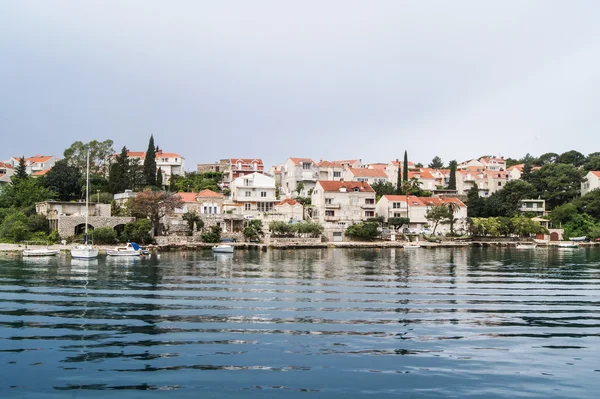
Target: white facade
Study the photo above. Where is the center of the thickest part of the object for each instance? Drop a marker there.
(6, 171)
(295, 171)
(255, 192)
(331, 171)
(170, 164)
(592, 182)
(370, 176)
(342, 204)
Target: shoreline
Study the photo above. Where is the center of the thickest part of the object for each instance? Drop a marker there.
(16, 248)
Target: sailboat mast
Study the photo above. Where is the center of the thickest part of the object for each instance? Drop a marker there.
(87, 193)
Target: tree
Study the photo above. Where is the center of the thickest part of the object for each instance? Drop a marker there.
(563, 214)
(363, 230)
(118, 178)
(475, 204)
(526, 174)
(100, 151)
(453, 207)
(436, 163)
(572, 157)
(382, 188)
(589, 204)
(452, 182)
(557, 183)
(150, 163)
(438, 214)
(549, 157)
(138, 231)
(154, 205)
(213, 235)
(279, 228)
(105, 235)
(405, 167)
(64, 180)
(592, 162)
(505, 202)
(193, 219)
(159, 178)
(396, 222)
(24, 194)
(399, 180)
(15, 227)
(299, 187)
(20, 171)
(253, 229)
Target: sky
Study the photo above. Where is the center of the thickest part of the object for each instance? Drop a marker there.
(317, 79)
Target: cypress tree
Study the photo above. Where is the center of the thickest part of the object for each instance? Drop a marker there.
(20, 171)
(452, 182)
(405, 169)
(399, 180)
(119, 179)
(150, 163)
(159, 178)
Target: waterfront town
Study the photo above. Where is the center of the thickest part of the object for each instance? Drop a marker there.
(153, 199)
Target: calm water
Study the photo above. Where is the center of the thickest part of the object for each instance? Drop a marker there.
(484, 323)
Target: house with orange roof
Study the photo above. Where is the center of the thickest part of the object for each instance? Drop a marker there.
(415, 208)
(170, 163)
(328, 170)
(255, 192)
(493, 164)
(394, 167)
(350, 163)
(289, 209)
(6, 171)
(339, 204)
(591, 182)
(296, 173)
(34, 164)
(366, 175)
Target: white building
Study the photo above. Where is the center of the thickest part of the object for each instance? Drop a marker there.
(342, 203)
(35, 165)
(295, 172)
(591, 182)
(6, 171)
(366, 175)
(254, 192)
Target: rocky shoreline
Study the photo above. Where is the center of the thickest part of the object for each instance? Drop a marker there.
(186, 246)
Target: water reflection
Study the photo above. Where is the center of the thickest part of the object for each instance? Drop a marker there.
(340, 322)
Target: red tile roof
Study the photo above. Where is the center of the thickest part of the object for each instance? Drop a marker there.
(5, 165)
(363, 172)
(288, 201)
(378, 166)
(187, 197)
(41, 172)
(209, 193)
(246, 161)
(298, 161)
(595, 173)
(424, 201)
(329, 164)
(331, 186)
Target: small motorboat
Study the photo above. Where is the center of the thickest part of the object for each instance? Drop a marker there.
(579, 239)
(223, 249)
(567, 246)
(40, 252)
(84, 251)
(526, 246)
(411, 246)
(131, 249)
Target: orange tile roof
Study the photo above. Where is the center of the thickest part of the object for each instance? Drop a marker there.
(209, 193)
(423, 201)
(246, 161)
(402, 198)
(297, 161)
(330, 186)
(167, 154)
(41, 172)
(378, 166)
(328, 164)
(288, 201)
(518, 167)
(363, 172)
(595, 173)
(187, 197)
(5, 165)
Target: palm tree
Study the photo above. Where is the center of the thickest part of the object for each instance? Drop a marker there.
(454, 208)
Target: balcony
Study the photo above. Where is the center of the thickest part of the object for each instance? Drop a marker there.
(332, 206)
(368, 206)
(332, 218)
(310, 176)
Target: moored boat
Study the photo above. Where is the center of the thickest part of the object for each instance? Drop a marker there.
(526, 246)
(85, 250)
(223, 249)
(131, 249)
(567, 246)
(411, 246)
(40, 252)
(578, 239)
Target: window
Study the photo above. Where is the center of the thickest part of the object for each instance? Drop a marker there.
(247, 207)
(369, 201)
(263, 194)
(362, 179)
(329, 201)
(329, 213)
(337, 174)
(265, 206)
(396, 205)
(248, 194)
(499, 184)
(369, 213)
(247, 182)
(305, 166)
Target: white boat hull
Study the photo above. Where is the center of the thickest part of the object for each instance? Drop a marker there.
(41, 252)
(223, 249)
(84, 252)
(114, 252)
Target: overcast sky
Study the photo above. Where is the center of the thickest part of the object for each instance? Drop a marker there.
(320, 79)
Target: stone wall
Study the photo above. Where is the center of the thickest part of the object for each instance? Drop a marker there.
(67, 224)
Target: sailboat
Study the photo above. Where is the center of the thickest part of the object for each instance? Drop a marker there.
(86, 250)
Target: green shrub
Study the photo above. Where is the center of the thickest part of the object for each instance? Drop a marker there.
(213, 235)
(15, 227)
(138, 231)
(105, 235)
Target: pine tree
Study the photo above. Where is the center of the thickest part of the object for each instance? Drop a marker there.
(436, 163)
(526, 174)
(405, 169)
(452, 183)
(119, 179)
(159, 178)
(20, 171)
(150, 163)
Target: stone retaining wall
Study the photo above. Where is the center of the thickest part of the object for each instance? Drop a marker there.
(67, 224)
